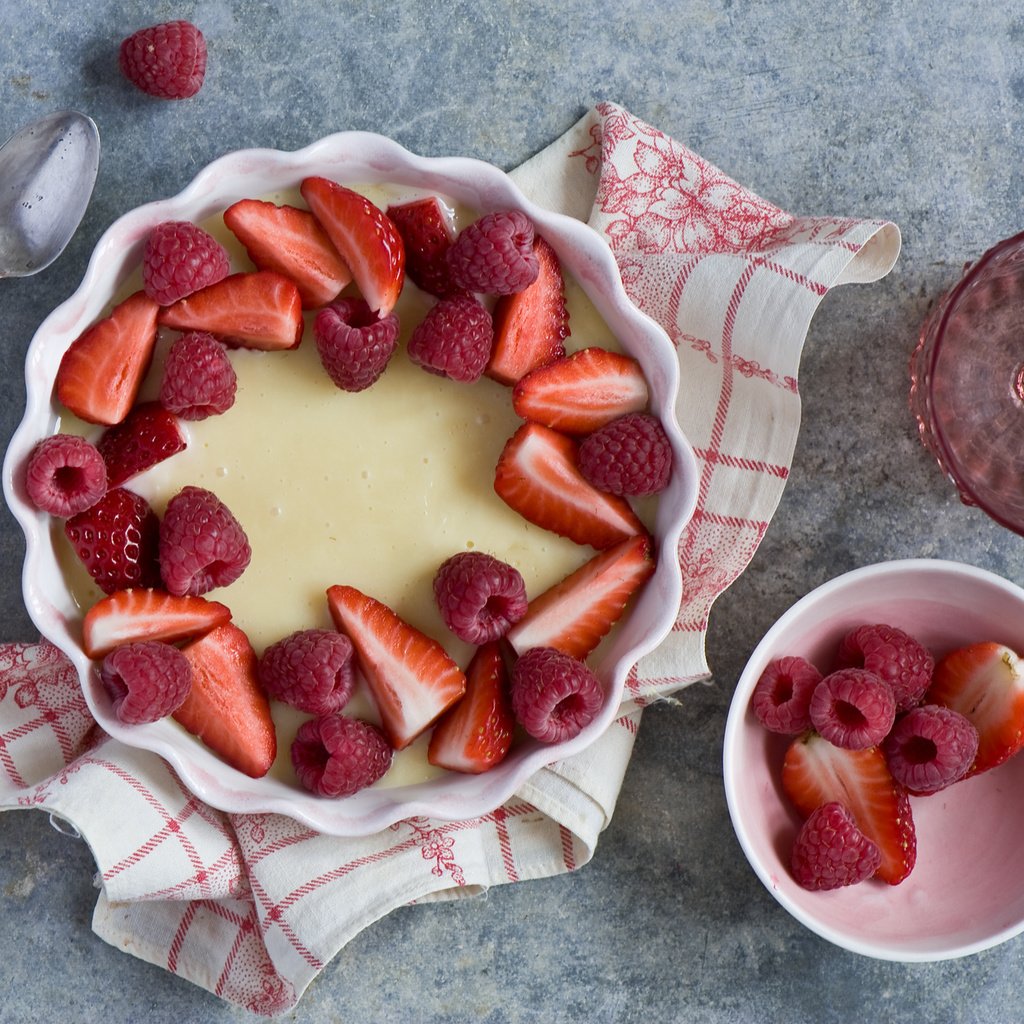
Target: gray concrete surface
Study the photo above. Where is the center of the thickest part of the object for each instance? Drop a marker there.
(908, 111)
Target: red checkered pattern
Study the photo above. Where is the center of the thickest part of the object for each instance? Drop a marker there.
(251, 907)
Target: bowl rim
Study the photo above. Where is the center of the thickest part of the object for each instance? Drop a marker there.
(375, 808)
(735, 725)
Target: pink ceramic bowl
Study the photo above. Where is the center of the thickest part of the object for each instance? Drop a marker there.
(351, 158)
(966, 892)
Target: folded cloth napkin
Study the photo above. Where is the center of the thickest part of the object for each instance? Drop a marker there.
(251, 907)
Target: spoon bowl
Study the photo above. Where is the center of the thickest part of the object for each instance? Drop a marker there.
(47, 173)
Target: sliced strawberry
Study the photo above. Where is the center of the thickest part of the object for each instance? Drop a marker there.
(427, 228)
(147, 435)
(537, 476)
(530, 326)
(576, 613)
(226, 708)
(411, 676)
(128, 616)
(476, 733)
(368, 241)
(292, 242)
(259, 310)
(117, 540)
(100, 373)
(582, 392)
(985, 684)
(815, 772)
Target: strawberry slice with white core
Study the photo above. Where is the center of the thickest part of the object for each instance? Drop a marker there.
(366, 238)
(411, 676)
(985, 684)
(815, 772)
(476, 733)
(261, 310)
(537, 476)
(226, 708)
(292, 242)
(582, 392)
(100, 374)
(576, 613)
(128, 616)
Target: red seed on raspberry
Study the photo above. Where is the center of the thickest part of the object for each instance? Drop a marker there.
(495, 254)
(629, 456)
(338, 756)
(930, 748)
(311, 670)
(479, 596)
(782, 696)
(894, 656)
(853, 708)
(146, 681)
(554, 696)
(180, 258)
(355, 345)
(199, 380)
(831, 852)
(167, 60)
(202, 545)
(454, 339)
(65, 475)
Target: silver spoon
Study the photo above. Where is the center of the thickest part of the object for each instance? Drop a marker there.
(47, 173)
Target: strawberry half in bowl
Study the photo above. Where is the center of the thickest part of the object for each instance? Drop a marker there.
(350, 491)
(946, 880)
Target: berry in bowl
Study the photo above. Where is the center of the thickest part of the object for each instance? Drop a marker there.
(377, 455)
(872, 759)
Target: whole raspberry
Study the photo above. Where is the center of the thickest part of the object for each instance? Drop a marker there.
(65, 475)
(893, 655)
(852, 708)
(631, 455)
(478, 596)
(179, 258)
(454, 339)
(146, 681)
(199, 380)
(354, 345)
(337, 756)
(930, 748)
(782, 697)
(494, 254)
(311, 670)
(554, 696)
(167, 60)
(830, 851)
(202, 545)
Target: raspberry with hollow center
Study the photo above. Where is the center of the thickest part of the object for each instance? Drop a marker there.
(479, 596)
(65, 475)
(892, 655)
(202, 545)
(180, 258)
(337, 756)
(853, 708)
(631, 455)
(355, 345)
(199, 380)
(146, 681)
(310, 669)
(454, 339)
(930, 748)
(166, 60)
(831, 852)
(554, 696)
(495, 254)
(782, 696)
